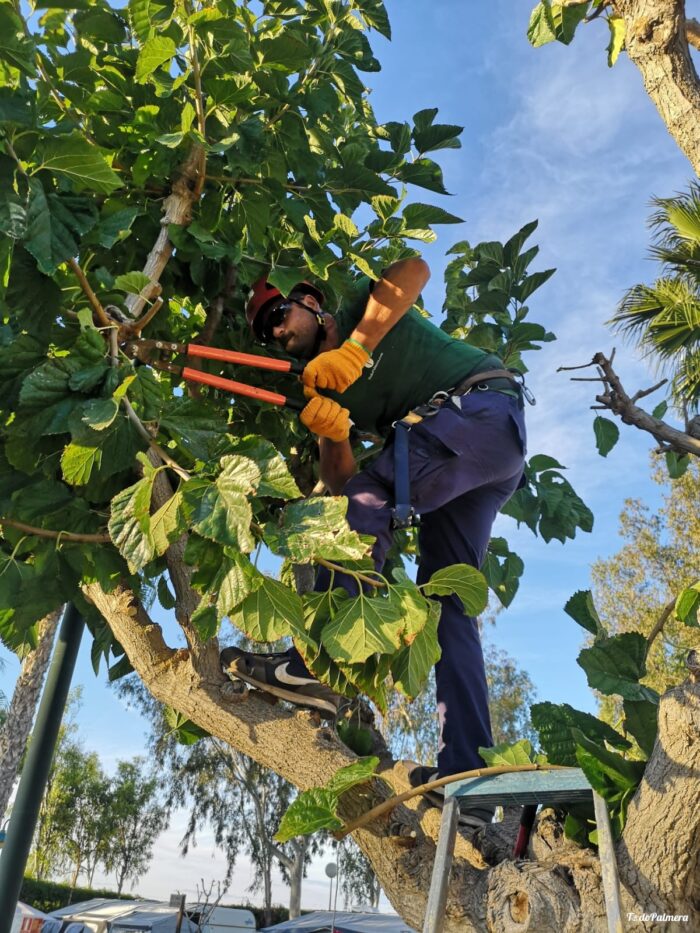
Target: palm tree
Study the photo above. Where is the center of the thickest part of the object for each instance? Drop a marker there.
(664, 318)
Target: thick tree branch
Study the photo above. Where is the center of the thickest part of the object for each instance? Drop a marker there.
(615, 399)
(177, 210)
(656, 40)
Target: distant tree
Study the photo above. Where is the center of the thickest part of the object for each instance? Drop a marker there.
(77, 800)
(16, 723)
(134, 819)
(635, 589)
(229, 793)
(511, 692)
(357, 879)
(46, 857)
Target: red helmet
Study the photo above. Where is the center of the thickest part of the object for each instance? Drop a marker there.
(262, 294)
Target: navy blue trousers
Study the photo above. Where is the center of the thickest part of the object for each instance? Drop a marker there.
(465, 462)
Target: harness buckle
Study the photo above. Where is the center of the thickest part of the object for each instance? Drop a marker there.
(404, 516)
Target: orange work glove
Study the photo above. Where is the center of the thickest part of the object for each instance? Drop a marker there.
(325, 417)
(336, 369)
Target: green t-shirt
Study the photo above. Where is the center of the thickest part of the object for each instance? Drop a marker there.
(411, 363)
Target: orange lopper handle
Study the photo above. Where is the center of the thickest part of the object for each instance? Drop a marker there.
(240, 388)
(244, 359)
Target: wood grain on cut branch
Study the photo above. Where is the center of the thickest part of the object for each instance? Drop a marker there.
(656, 40)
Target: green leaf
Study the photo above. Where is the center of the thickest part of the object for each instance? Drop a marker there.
(345, 225)
(133, 283)
(363, 627)
(115, 227)
(99, 413)
(540, 30)
(82, 162)
(676, 464)
(411, 667)
(312, 811)
(508, 754)
(424, 173)
(356, 738)
(641, 721)
(554, 723)
(315, 809)
(607, 435)
(582, 610)
(687, 605)
(167, 524)
(239, 580)
(424, 215)
(186, 732)
(616, 24)
(270, 612)
(275, 478)
(205, 621)
(78, 461)
(52, 226)
(616, 665)
(623, 772)
(437, 136)
(16, 48)
(660, 410)
(129, 523)
(221, 510)
(313, 528)
(465, 581)
(155, 52)
(359, 772)
(165, 597)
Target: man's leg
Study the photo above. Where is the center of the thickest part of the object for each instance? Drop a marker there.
(459, 533)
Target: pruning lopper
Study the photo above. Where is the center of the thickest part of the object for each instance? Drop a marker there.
(148, 351)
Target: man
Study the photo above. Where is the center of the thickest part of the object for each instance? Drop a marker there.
(375, 363)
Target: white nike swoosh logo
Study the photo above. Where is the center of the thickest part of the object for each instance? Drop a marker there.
(285, 677)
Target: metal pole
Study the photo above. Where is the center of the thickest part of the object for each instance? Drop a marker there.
(25, 811)
(437, 896)
(608, 865)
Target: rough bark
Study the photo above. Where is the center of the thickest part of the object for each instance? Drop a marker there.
(614, 398)
(656, 39)
(20, 715)
(559, 890)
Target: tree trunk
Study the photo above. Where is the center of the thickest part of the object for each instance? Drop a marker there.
(20, 715)
(558, 891)
(296, 876)
(656, 41)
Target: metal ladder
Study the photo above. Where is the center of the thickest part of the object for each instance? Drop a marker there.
(521, 789)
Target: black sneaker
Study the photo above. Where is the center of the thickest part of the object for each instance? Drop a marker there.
(269, 672)
(469, 816)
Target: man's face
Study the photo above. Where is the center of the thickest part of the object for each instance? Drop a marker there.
(291, 327)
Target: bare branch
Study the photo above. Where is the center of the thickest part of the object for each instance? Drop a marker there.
(692, 33)
(616, 400)
(69, 536)
(661, 621)
(102, 316)
(644, 392)
(143, 431)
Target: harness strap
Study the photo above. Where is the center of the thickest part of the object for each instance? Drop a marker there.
(403, 514)
(477, 378)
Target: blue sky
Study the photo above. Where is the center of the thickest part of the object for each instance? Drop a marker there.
(552, 134)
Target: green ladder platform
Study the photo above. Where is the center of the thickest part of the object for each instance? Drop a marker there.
(524, 788)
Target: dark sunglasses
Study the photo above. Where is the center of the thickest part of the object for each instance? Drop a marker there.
(275, 317)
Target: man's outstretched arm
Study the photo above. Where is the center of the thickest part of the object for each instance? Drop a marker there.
(392, 296)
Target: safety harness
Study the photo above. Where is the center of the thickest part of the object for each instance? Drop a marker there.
(403, 515)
